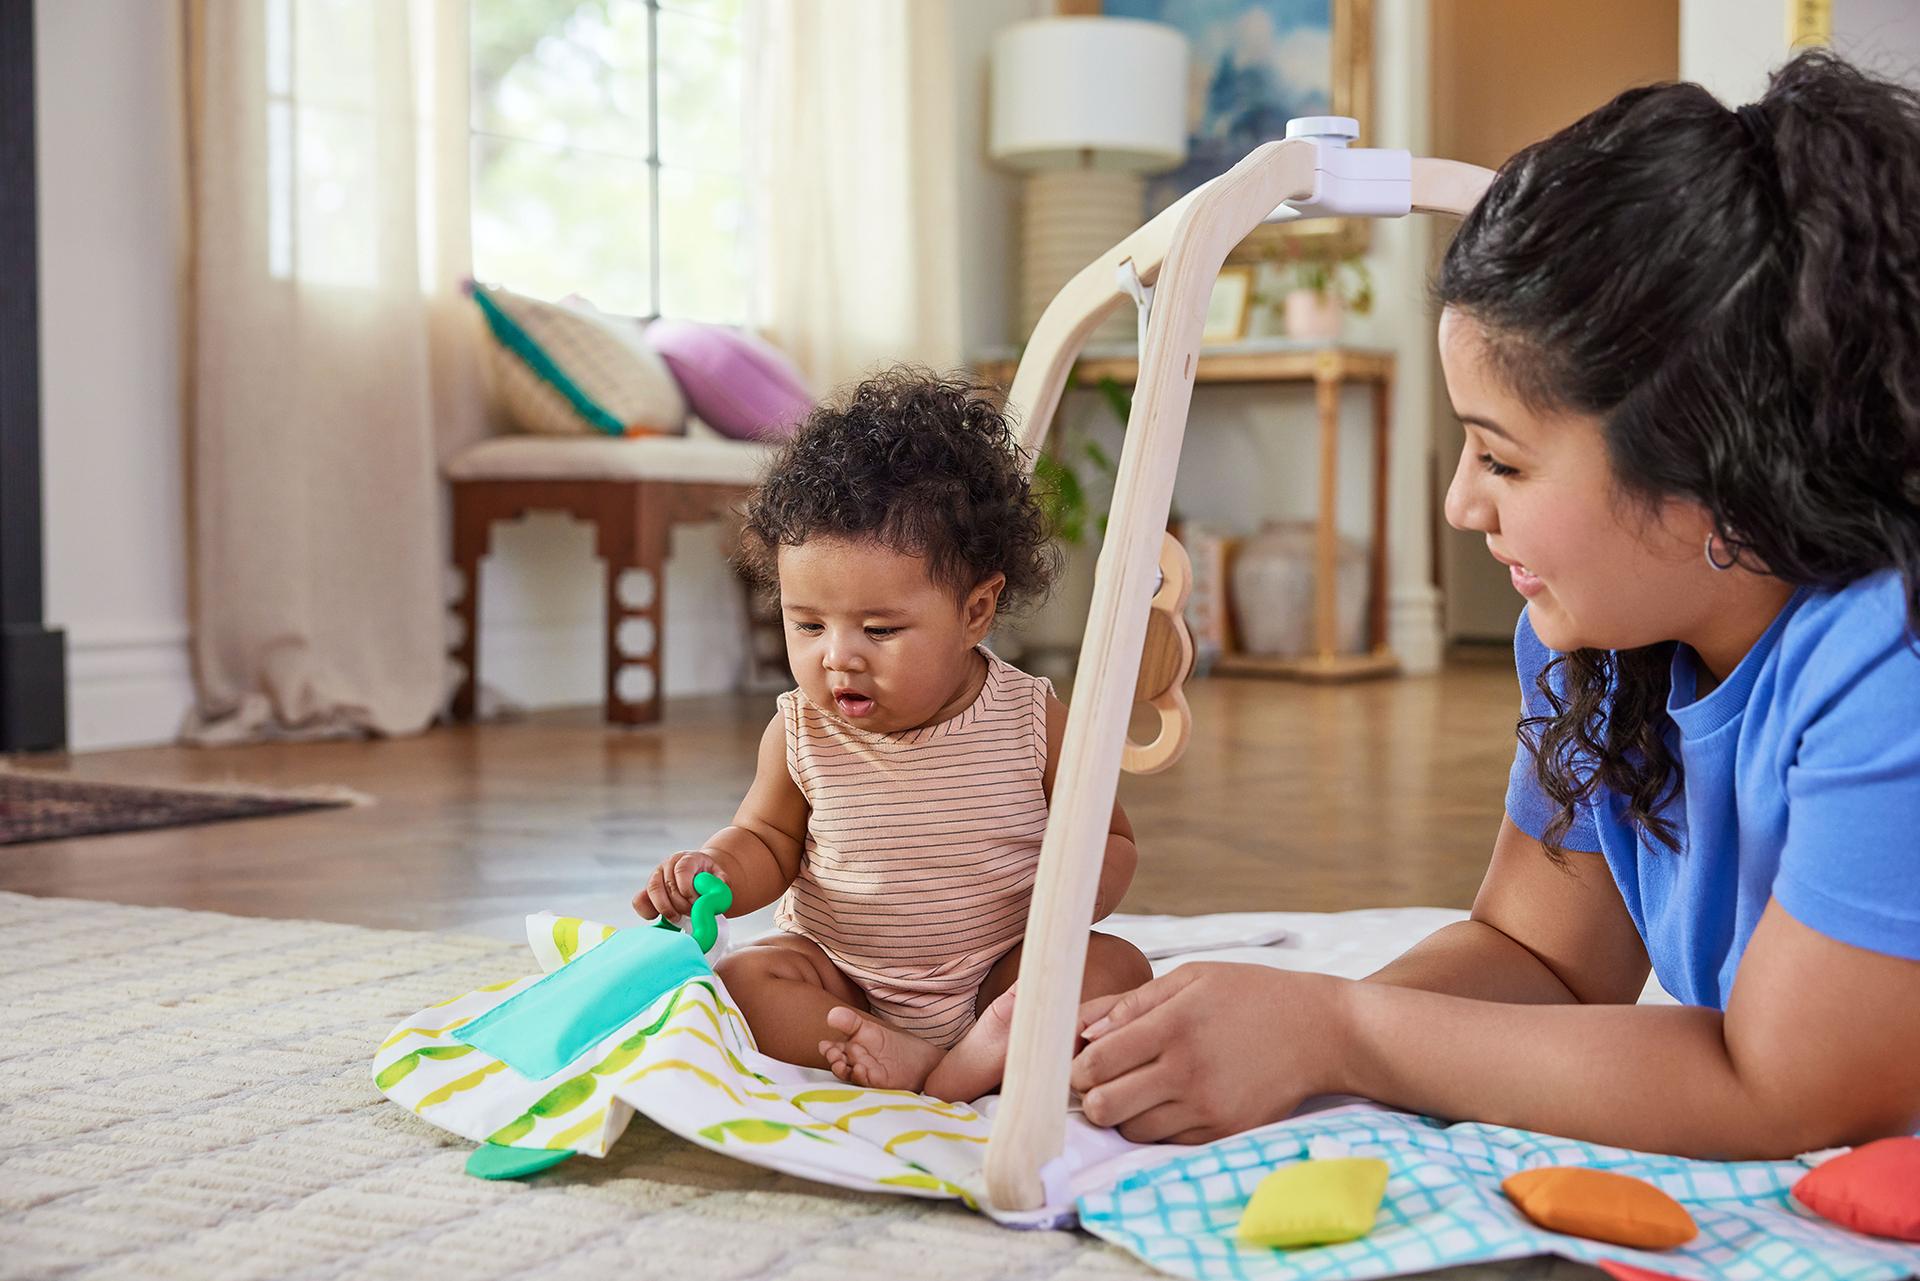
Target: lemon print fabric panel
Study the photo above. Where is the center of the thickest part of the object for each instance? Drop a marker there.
(688, 1061)
(1315, 1203)
(555, 940)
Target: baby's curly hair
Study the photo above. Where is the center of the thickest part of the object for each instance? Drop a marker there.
(924, 465)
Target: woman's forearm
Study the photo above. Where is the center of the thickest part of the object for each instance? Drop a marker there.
(1473, 959)
(1657, 1078)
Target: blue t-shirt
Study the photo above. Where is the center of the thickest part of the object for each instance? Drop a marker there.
(1801, 783)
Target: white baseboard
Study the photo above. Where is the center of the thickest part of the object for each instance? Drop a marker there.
(126, 687)
(1414, 628)
(132, 687)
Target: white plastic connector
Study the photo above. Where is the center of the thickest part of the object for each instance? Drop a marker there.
(1128, 278)
(1365, 182)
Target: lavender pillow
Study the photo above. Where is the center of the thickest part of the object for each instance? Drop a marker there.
(737, 384)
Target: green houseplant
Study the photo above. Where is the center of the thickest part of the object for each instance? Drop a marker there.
(1073, 480)
(1074, 470)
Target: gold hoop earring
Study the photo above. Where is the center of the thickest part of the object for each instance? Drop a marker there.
(1732, 559)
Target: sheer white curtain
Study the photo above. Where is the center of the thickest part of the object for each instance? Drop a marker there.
(852, 121)
(331, 359)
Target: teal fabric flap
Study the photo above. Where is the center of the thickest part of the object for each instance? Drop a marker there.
(493, 1161)
(541, 1030)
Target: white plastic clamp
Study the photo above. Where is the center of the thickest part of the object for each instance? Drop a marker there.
(1128, 277)
(1364, 182)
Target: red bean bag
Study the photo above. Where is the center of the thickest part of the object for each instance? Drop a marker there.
(1873, 1189)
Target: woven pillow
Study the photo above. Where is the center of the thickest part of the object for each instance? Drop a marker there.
(566, 369)
(1601, 1206)
(1315, 1203)
(1873, 1189)
(740, 386)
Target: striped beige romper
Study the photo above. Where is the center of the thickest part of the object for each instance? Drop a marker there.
(921, 847)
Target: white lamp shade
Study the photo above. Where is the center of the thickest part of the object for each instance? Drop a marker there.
(1112, 90)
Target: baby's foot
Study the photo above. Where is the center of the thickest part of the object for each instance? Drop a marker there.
(977, 1064)
(877, 1056)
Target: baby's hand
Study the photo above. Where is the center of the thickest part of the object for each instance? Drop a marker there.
(670, 890)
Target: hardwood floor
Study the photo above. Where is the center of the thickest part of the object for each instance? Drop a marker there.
(1298, 797)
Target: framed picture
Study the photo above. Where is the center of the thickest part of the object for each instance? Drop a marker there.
(1228, 306)
(1256, 65)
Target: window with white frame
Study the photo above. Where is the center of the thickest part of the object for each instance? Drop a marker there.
(608, 153)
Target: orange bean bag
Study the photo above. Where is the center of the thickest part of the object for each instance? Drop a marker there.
(1601, 1206)
(1873, 1189)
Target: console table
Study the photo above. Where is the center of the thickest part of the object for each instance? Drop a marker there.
(1329, 368)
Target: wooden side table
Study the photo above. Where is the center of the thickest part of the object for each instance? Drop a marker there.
(1330, 369)
(633, 492)
(631, 520)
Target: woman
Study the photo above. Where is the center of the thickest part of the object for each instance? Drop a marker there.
(1685, 345)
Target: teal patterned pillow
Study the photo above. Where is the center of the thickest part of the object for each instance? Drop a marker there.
(566, 369)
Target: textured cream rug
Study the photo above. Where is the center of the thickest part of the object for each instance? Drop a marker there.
(187, 1095)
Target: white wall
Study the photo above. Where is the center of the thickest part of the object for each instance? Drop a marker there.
(111, 223)
(1405, 323)
(989, 195)
(1729, 46)
(1883, 36)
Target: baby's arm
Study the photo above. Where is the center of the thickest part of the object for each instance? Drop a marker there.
(1116, 871)
(757, 855)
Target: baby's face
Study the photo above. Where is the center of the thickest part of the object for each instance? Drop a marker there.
(872, 638)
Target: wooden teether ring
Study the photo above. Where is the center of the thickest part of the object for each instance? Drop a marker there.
(1165, 661)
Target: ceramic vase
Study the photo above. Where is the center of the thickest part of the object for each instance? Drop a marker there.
(1312, 316)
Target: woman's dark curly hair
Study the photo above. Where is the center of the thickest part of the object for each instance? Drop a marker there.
(924, 465)
(1736, 296)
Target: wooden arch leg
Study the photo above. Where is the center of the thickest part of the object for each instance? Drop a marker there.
(1030, 1129)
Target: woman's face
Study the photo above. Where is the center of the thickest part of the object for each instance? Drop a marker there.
(1598, 570)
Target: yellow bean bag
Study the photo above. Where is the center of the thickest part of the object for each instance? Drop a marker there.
(1315, 1203)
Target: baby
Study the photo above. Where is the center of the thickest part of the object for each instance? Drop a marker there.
(902, 789)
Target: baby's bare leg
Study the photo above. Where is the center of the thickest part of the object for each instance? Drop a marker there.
(976, 1065)
(786, 985)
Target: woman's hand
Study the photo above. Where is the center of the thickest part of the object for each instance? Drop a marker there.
(669, 891)
(1209, 1050)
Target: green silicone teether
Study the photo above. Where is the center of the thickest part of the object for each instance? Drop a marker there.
(715, 898)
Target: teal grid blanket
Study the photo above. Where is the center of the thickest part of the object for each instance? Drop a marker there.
(1444, 1207)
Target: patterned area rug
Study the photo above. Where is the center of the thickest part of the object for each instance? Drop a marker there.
(187, 1095)
(45, 807)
